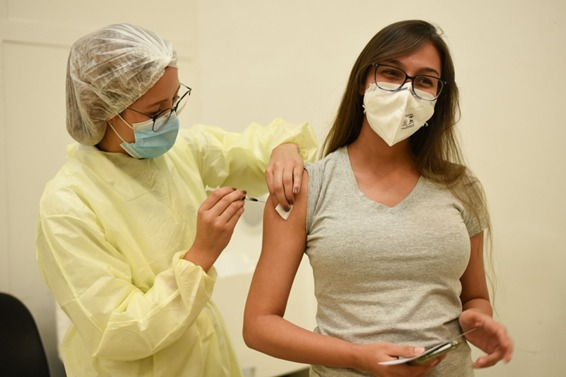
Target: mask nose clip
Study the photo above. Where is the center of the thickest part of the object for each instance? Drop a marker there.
(407, 85)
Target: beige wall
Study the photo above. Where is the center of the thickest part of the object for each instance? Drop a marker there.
(255, 60)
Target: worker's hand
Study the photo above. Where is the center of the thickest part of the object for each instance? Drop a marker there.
(217, 218)
(284, 174)
(489, 335)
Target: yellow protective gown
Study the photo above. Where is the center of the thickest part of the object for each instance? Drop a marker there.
(111, 236)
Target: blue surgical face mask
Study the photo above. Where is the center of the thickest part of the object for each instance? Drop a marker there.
(149, 143)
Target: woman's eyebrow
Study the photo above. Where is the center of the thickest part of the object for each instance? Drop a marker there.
(159, 101)
(431, 70)
(426, 70)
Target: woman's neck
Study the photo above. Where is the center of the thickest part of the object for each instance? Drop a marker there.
(370, 152)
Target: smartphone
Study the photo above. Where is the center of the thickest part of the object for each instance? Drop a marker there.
(429, 354)
(434, 352)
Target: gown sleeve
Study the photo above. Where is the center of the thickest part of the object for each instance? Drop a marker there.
(240, 159)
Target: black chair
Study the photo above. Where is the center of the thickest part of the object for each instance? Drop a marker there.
(21, 350)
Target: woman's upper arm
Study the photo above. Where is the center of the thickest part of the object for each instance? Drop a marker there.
(474, 284)
(283, 246)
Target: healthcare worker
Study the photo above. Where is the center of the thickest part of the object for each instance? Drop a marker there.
(127, 234)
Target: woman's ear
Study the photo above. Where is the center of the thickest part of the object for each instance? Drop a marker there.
(111, 121)
(363, 85)
(361, 89)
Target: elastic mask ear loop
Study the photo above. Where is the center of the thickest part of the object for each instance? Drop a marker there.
(127, 124)
(116, 132)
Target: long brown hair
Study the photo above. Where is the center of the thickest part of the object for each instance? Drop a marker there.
(435, 148)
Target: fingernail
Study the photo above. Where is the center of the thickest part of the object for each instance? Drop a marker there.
(419, 350)
(296, 190)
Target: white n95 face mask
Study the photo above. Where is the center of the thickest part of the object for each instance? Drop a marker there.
(395, 116)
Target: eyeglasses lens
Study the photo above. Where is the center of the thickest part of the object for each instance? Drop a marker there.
(160, 119)
(392, 79)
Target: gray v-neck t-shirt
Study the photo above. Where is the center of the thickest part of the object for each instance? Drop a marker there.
(387, 274)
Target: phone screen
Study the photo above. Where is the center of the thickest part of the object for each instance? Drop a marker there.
(431, 353)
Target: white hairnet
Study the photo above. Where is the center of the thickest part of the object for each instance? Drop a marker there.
(107, 71)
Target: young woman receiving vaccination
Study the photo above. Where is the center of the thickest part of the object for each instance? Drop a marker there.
(393, 225)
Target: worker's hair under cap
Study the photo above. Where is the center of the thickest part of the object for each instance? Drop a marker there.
(107, 71)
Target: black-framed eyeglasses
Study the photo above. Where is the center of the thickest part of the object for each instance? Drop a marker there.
(164, 115)
(392, 79)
